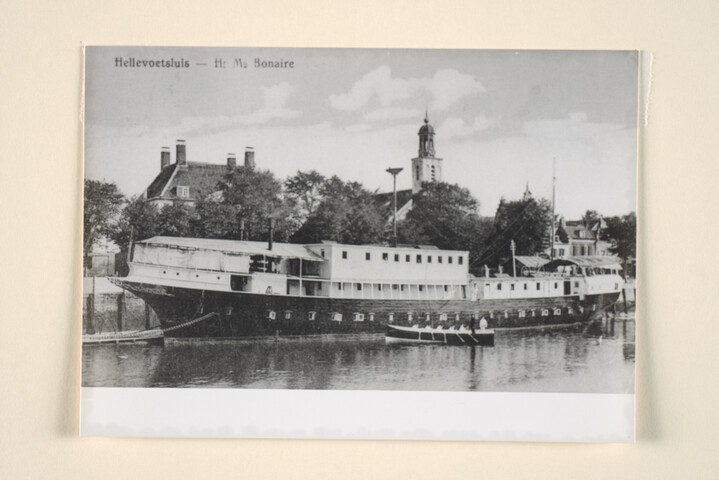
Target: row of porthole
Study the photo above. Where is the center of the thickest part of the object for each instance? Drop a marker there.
(360, 317)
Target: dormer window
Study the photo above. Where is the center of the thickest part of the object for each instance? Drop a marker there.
(183, 191)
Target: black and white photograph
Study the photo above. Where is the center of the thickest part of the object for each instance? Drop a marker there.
(446, 238)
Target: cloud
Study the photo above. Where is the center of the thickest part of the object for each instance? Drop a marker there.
(457, 128)
(444, 88)
(357, 128)
(393, 113)
(274, 107)
(574, 126)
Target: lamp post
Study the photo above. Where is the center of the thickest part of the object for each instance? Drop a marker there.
(394, 172)
(513, 247)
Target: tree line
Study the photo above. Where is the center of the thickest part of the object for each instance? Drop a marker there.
(309, 207)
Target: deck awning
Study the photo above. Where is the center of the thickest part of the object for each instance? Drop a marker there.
(597, 261)
(237, 247)
(531, 261)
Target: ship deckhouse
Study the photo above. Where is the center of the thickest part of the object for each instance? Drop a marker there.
(325, 269)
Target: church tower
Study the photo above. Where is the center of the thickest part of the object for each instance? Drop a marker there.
(426, 167)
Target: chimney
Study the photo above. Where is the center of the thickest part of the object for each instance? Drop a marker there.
(164, 158)
(180, 155)
(272, 231)
(231, 161)
(250, 157)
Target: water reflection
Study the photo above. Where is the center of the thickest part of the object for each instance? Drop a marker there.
(600, 359)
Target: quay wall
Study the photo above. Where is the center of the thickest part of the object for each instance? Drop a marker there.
(112, 309)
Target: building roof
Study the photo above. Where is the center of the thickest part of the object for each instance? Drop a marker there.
(201, 178)
(286, 250)
(384, 202)
(574, 231)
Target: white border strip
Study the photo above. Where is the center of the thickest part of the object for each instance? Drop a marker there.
(337, 414)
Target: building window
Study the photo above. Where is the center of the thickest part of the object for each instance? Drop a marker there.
(538, 287)
(271, 314)
(416, 172)
(367, 256)
(511, 287)
(439, 259)
(311, 315)
(183, 191)
(370, 316)
(336, 317)
(359, 286)
(446, 288)
(525, 286)
(319, 286)
(460, 260)
(396, 257)
(288, 314)
(421, 288)
(429, 258)
(449, 259)
(358, 317)
(390, 317)
(379, 287)
(419, 258)
(385, 256)
(433, 172)
(401, 288)
(407, 259)
(556, 285)
(344, 254)
(499, 286)
(322, 252)
(395, 287)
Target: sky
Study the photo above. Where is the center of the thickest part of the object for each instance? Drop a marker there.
(502, 118)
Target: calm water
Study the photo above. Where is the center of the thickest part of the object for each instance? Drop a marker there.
(598, 360)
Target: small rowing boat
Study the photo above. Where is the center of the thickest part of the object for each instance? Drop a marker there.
(449, 336)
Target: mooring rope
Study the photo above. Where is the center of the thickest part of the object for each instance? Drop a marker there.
(191, 322)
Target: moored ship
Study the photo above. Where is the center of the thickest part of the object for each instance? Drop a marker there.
(230, 289)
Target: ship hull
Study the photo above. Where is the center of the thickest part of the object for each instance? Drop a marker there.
(236, 315)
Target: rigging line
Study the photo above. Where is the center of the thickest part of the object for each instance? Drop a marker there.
(507, 241)
(501, 234)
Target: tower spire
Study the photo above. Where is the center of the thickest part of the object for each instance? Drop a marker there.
(426, 167)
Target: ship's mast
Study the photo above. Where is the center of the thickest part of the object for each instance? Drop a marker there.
(554, 181)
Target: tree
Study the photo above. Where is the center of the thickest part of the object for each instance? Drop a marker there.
(304, 191)
(139, 220)
(442, 215)
(103, 202)
(174, 220)
(622, 232)
(256, 196)
(346, 214)
(525, 221)
(214, 219)
(446, 216)
(590, 218)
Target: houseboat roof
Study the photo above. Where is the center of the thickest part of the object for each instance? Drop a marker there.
(285, 250)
